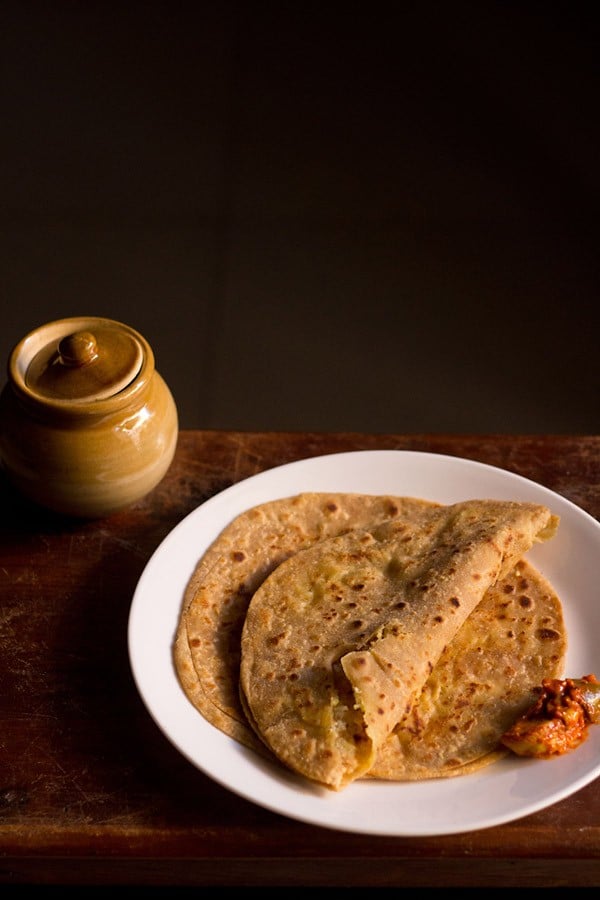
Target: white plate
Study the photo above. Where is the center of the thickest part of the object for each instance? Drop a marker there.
(500, 793)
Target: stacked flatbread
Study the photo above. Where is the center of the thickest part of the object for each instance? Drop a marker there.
(357, 636)
(207, 646)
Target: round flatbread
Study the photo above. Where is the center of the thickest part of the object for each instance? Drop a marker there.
(340, 639)
(207, 644)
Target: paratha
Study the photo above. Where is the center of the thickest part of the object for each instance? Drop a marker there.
(340, 639)
(207, 645)
(483, 681)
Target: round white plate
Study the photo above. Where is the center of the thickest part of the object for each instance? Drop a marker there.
(499, 793)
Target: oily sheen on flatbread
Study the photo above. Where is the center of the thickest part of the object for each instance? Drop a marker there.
(207, 645)
(340, 639)
(483, 681)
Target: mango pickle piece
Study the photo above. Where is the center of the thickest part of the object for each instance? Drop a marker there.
(558, 721)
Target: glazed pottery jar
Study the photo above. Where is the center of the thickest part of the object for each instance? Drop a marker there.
(87, 424)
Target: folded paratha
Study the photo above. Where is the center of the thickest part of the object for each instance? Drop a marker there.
(340, 639)
(484, 680)
(207, 645)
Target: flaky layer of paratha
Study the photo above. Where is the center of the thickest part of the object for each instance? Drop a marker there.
(340, 639)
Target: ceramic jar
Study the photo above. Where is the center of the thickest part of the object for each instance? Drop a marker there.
(87, 424)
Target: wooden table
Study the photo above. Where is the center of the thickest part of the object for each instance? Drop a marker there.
(91, 792)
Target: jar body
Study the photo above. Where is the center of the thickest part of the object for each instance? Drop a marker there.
(86, 462)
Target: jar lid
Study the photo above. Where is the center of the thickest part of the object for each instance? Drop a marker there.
(82, 360)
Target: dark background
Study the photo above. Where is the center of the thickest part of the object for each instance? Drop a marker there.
(322, 216)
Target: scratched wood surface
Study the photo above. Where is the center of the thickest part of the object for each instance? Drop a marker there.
(91, 792)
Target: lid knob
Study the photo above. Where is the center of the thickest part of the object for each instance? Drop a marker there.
(78, 361)
(77, 349)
